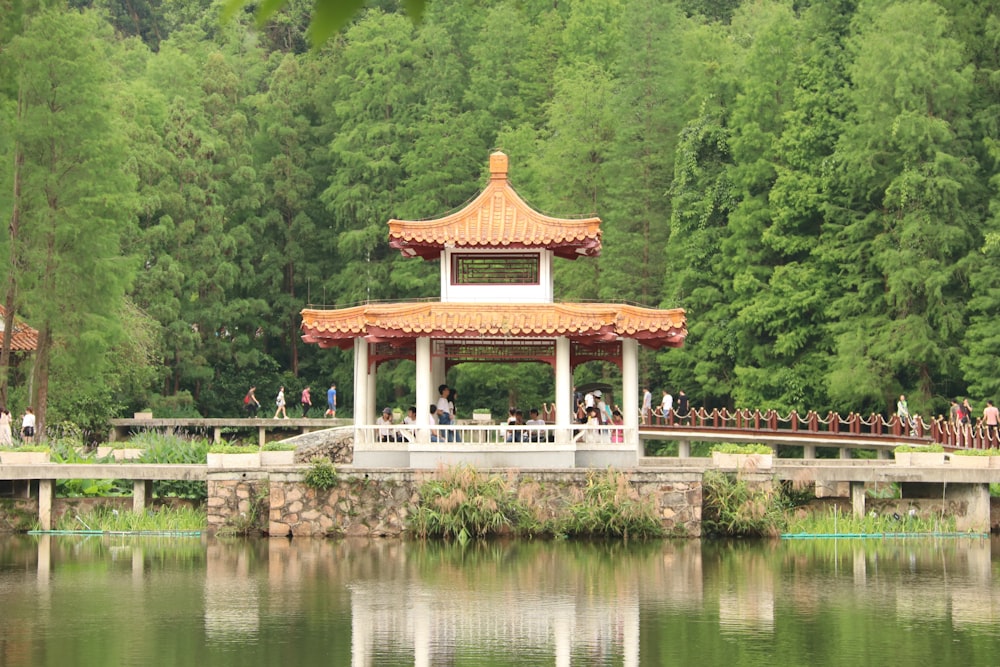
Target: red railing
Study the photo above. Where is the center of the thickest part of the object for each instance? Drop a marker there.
(938, 431)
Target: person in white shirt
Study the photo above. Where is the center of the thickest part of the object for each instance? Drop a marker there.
(28, 426)
(385, 431)
(666, 405)
(535, 435)
(647, 405)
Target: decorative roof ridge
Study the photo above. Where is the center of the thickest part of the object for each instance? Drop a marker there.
(497, 218)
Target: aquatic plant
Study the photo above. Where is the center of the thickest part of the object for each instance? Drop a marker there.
(733, 507)
(611, 507)
(110, 519)
(835, 522)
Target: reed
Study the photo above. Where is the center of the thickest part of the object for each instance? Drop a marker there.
(109, 519)
(734, 508)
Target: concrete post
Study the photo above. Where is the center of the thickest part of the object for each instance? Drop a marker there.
(46, 492)
(858, 499)
(684, 449)
(845, 453)
(261, 437)
(808, 451)
(217, 434)
(142, 492)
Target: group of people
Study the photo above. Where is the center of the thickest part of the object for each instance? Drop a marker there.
(526, 430)
(960, 415)
(665, 409)
(251, 405)
(27, 427)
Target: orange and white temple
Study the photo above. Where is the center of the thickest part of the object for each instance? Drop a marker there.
(497, 305)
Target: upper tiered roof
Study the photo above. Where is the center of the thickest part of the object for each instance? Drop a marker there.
(497, 218)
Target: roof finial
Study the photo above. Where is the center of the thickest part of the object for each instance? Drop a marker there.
(498, 166)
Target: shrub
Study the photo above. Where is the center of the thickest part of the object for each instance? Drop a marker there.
(919, 448)
(232, 449)
(279, 447)
(735, 448)
(611, 508)
(321, 475)
(734, 508)
(462, 504)
(992, 451)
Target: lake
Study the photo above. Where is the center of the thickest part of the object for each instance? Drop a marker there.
(116, 600)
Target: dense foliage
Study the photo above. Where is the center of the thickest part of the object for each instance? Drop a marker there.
(816, 183)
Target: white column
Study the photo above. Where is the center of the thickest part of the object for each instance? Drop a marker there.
(373, 409)
(423, 388)
(564, 390)
(361, 409)
(630, 393)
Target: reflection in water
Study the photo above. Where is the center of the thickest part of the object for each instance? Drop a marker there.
(127, 601)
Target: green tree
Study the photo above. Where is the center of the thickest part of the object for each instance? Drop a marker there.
(75, 200)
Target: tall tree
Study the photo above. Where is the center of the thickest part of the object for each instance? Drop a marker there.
(75, 199)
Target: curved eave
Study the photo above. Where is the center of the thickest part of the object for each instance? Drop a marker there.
(579, 322)
(497, 219)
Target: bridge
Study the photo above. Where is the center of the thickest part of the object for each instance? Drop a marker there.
(854, 431)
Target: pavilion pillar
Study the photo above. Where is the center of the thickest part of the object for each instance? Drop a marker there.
(564, 390)
(630, 393)
(373, 409)
(424, 382)
(361, 408)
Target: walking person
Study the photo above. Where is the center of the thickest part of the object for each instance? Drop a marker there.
(306, 401)
(280, 402)
(6, 437)
(666, 405)
(991, 417)
(647, 406)
(331, 401)
(28, 426)
(683, 407)
(251, 404)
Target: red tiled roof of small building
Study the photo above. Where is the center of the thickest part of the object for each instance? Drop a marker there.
(24, 338)
(577, 321)
(497, 218)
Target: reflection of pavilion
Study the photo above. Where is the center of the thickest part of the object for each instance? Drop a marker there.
(496, 305)
(383, 614)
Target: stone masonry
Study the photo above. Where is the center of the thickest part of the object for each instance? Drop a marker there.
(377, 503)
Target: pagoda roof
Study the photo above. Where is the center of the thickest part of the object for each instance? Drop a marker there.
(581, 322)
(24, 338)
(497, 219)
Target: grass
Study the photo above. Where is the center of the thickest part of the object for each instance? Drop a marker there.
(462, 504)
(734, 508)
(734, 448)
(834, 522)
(152, 520)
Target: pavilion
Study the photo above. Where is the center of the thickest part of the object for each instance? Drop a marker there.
(496, 305)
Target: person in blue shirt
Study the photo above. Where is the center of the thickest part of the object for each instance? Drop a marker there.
(331, 401)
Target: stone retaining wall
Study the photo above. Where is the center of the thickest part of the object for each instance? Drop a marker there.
(377, 503)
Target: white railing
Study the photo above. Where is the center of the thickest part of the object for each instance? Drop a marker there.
(400, 436)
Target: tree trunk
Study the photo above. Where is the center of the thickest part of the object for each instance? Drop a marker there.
(41, 378)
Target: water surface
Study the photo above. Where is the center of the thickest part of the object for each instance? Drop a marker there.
(192, 601)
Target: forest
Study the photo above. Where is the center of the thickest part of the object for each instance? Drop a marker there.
(814, 181)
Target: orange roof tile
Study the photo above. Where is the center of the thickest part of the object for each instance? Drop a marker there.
(24, 339)
(497, 218)
(577, 321)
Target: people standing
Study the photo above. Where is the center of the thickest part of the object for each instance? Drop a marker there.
(306, 401)
(683, 407)
(955, 413)
(991, 417)
(28, 426)
(250, 403)
(903, 413)
(280, 402)
(966, 412)
(6, 437)
(331, 401)
(666, 405)
(647, 405)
